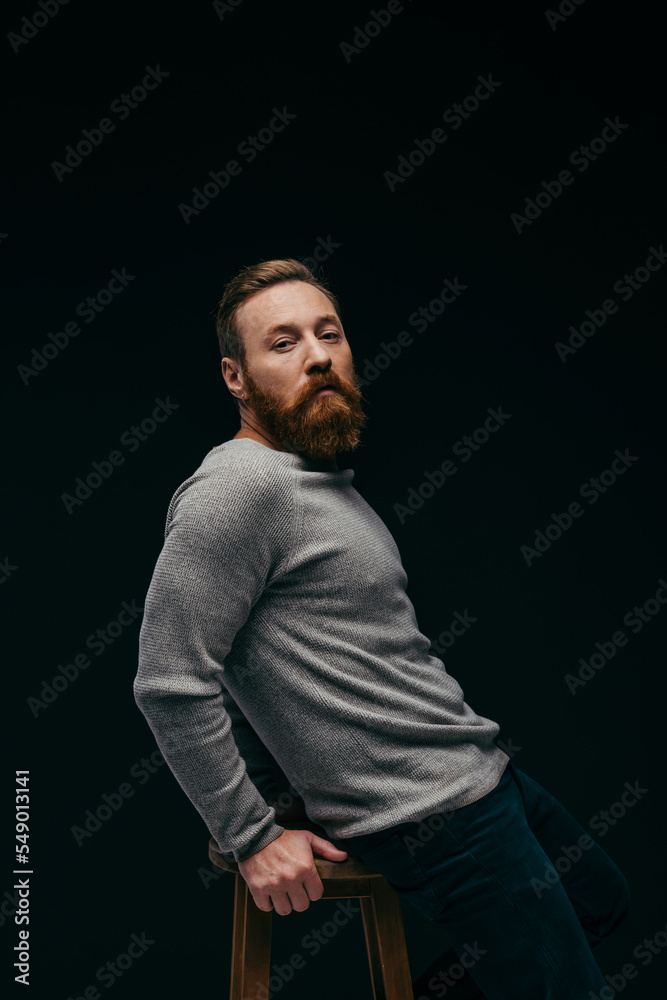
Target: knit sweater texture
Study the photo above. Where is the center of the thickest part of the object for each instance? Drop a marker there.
(278, 645)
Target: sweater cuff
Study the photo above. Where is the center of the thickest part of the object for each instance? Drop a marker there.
(256, 845)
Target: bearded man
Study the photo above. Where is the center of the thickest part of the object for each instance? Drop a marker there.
(279, 649)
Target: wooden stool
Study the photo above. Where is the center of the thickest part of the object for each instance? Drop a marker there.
(349, 879)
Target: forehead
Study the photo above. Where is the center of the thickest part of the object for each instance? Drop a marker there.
(286, 302)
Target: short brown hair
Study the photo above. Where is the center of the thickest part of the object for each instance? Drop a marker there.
(252, 279)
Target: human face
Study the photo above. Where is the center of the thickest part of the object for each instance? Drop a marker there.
(295, 345)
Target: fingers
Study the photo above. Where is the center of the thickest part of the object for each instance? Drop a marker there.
(312, 884)
(292, 894)
(262, 901)
(328, 850)
(296, 899)
(283, 902)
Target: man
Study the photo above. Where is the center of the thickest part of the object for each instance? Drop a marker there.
(279, 647)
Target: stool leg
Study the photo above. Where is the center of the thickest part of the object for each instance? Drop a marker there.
(385, 943)
(251, 945)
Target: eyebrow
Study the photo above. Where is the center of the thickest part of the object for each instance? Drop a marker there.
(327, 318)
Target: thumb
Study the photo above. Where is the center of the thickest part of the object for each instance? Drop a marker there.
(326, 848)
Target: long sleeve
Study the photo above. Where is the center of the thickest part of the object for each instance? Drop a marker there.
(225, 535)
(263, 770)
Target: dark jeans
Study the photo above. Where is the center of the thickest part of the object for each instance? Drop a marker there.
(521, 897)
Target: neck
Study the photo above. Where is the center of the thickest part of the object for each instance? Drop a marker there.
(250, 428)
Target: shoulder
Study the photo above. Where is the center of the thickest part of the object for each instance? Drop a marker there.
(237, 480)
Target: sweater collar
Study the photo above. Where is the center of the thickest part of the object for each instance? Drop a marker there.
(294, 459)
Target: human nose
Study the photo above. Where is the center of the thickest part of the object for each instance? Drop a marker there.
(318, 354)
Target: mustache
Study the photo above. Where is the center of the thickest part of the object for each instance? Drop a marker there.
(329, 381)
(349, 391)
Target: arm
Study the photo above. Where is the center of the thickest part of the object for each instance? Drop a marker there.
(263, 770)
(214, 564)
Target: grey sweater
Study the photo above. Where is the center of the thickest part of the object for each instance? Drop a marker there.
(278, 641)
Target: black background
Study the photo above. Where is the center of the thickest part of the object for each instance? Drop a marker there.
(145, 869)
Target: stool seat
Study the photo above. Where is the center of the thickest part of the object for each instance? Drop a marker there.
(349, 879)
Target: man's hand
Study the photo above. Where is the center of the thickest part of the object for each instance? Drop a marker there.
(283, 875)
